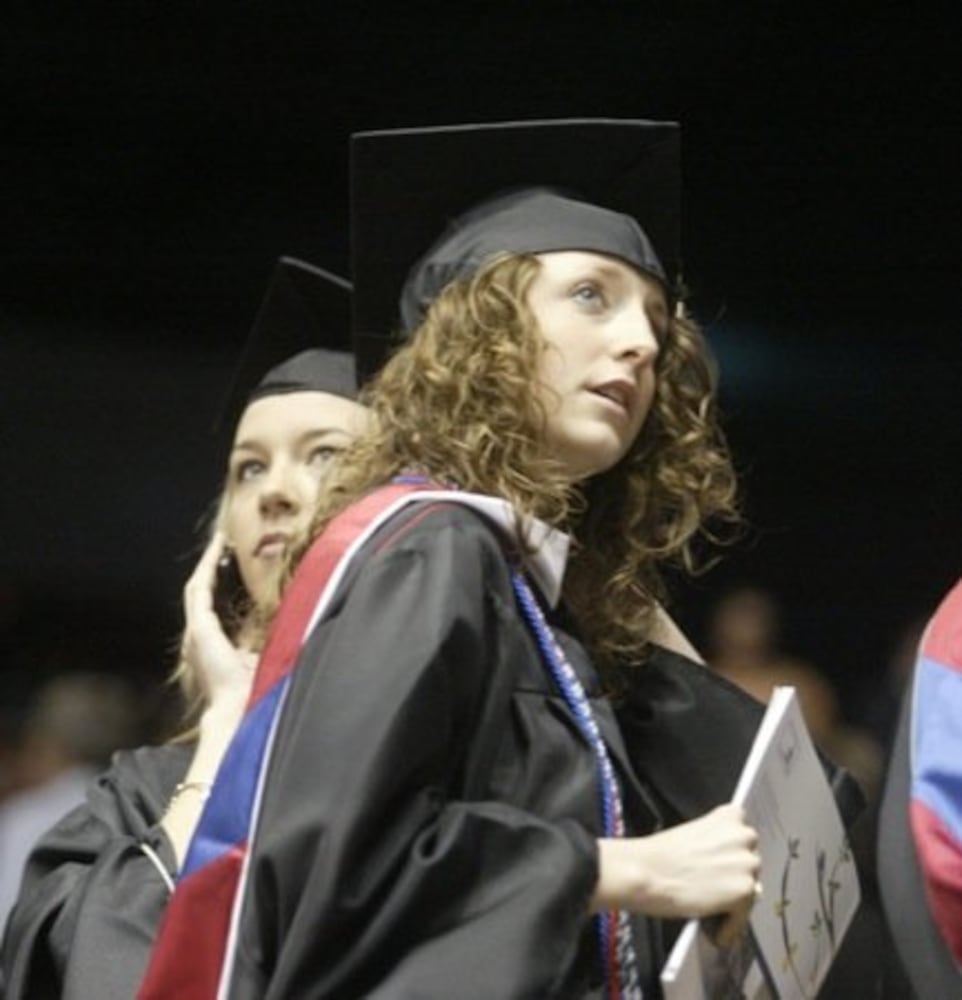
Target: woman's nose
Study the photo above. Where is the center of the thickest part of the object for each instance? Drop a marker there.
(634, 336)
(279, 493)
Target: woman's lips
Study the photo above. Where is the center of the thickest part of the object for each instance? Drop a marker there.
(271, 546)
(619, 394)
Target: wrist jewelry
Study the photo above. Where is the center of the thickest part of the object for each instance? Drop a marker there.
(201, 787)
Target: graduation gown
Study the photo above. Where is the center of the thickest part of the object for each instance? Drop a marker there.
(429, 822)
(688, 732)
(91, 900)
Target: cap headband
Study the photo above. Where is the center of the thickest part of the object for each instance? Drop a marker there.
(310, 371)
(536, 220)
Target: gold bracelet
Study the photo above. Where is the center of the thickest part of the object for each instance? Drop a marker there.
(203, 787)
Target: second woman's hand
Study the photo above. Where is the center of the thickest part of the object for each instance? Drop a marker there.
(226, 673)
(224, 670)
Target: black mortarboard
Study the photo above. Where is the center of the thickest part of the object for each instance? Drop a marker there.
(409, 185)
(300, 338)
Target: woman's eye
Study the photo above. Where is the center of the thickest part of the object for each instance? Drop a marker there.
(322, 455)
(588, 294)
(246, 471)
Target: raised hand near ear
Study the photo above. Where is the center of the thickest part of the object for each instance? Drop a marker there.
(224, 673)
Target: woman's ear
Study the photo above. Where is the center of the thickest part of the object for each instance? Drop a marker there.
(226, 556)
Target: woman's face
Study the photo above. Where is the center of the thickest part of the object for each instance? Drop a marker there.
(602, 321)
(281, 450)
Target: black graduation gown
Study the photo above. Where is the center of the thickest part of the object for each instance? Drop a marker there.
(688, 732)
(91, 900)
(430, 818)
(429, 822)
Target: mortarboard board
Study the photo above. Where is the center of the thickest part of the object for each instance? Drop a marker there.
(300, 340)
(408, 185)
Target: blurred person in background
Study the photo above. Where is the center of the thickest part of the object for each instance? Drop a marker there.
(74, 725)
(744, 646)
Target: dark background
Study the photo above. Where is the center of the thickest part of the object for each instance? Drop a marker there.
(159, 157)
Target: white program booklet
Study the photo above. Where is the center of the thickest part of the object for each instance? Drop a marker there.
(810, 884)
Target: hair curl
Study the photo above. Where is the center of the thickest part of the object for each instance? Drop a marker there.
(455, 404)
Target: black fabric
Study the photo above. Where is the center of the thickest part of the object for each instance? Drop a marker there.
(315, 370)
(304, 308)
(383, 867)
(91, 901)
(688, 732)
(375, 872)
(924, 956)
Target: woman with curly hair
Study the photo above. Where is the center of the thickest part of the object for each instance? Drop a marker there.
(442, 802)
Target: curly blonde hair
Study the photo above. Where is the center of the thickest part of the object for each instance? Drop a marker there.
(455, 404)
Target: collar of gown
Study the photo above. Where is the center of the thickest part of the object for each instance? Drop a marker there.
(544, 549)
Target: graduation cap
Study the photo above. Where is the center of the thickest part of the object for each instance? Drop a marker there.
(606, 185)
(300, 341)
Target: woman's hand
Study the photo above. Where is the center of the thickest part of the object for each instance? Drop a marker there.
(707, 866)
(225, 674)
(223, 671)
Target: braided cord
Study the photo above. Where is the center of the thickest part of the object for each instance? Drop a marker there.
(618, 958)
